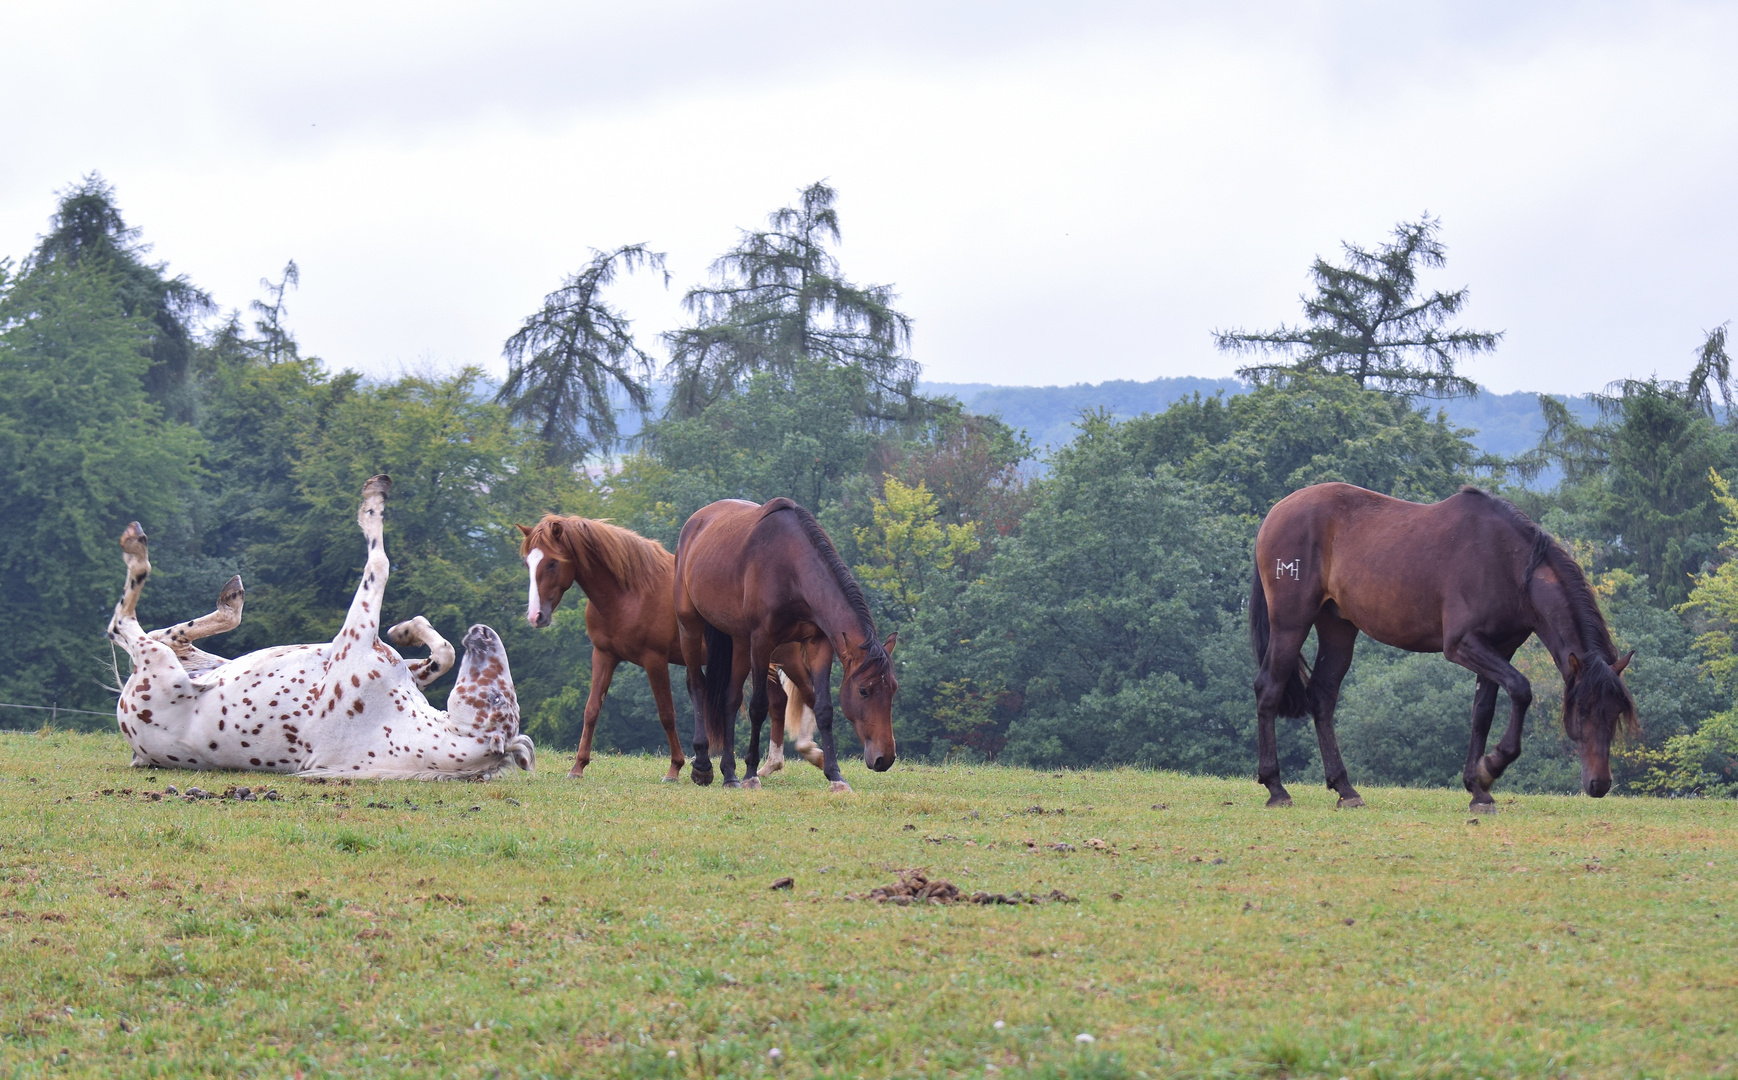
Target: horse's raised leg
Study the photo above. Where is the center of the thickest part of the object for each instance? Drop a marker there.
(1284, 656)
(225, 618)
(1335, 640)
(362, 621)
(419, 631)
(775, 712)
(603, 669)
(158, 682)
(658, 674)
(820, 657)
(1491, 665)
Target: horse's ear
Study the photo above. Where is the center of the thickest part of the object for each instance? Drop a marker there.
(524, 530)
(1623, 661)
(1574, 666)
(891, 643)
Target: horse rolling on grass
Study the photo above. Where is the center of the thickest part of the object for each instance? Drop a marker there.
(630, 615)
(750, 579)
(349, 707)
(1470, 577)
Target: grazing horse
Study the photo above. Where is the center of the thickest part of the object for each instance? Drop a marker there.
(1470, 577)
(750, 579)
(628, 581)
(348, 707)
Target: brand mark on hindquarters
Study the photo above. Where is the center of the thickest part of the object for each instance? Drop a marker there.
(1282, 568)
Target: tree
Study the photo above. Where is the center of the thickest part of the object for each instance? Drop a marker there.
(1367, 321)
(567, 360)
(779, 299)
(275, 342)
(909, 550)
(87, 229)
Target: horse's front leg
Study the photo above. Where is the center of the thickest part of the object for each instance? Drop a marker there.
(739, 661)
(820, 657)
(362, 621)
(759, 667)
(419, 631)
(1493, 669)
(603, 669)
(694, 659)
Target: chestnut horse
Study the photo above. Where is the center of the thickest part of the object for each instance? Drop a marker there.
(631, 614)
(750, 579)
(1470, 577)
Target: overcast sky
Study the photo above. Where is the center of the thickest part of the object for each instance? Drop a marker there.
(1060, 192)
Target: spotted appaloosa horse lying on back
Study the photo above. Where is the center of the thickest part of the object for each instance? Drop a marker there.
(349, 707)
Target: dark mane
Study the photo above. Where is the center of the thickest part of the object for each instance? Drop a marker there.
(1589, 622)
(1597, 681)
(874, 655)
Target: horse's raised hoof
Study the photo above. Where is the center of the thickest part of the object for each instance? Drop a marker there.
(1353, 803)
(730, 784)
(133, 539)
(751, 784)
(1488, 806)
(1278, 802)
(840, 785)
(377, 485)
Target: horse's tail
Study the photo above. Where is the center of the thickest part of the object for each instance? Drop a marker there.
(720, 659)
(1295, 701)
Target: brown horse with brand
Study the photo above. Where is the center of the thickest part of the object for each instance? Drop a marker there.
(1470, 577)
(750, 579)
(631, 615)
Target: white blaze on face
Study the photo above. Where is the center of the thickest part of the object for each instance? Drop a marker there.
(534, 606)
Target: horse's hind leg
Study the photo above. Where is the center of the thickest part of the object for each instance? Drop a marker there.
(658, 675)
(1335, 640)
(1282, 663)
(362, 622)
(158, 684)
(418, 631)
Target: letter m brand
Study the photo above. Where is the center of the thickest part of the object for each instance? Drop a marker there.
(1283, 568)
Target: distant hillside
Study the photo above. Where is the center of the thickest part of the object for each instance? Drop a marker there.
(1505, 424)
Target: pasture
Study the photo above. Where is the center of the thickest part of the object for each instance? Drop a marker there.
(618, 926)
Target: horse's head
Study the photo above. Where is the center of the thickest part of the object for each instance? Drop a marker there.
(482, 697)
(866, 695)
(1596, 704)
(547, 558)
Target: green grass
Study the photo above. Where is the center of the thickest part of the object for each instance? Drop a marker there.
(541, 926)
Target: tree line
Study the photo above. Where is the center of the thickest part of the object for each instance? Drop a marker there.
(1080, 611)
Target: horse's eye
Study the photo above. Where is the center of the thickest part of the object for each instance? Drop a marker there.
(862, 691)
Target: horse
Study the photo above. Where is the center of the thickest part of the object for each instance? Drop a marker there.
(750, 579)
(629, 583)
(790, 706)
(348, 707)
(1470, 577)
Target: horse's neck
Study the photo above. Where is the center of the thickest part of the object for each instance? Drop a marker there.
(831, 610)
(1556, 625)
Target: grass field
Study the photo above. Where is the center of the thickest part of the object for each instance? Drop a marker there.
(618, 926)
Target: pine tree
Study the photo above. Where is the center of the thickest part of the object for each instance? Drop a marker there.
(1367, 320)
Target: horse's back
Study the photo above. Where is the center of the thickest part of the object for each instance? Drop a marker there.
(1398, 570)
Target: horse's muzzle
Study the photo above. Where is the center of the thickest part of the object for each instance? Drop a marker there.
(1597, 787)
(880, 762)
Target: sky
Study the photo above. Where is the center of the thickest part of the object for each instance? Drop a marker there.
(1058, 192)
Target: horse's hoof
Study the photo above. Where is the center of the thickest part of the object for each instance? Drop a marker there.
(751, 784)
(1279, 802)
(1483, 807)
(377, 485)
(840, 785)
(1353, 803)
(730, 784)
(700, 777)
(575, 774)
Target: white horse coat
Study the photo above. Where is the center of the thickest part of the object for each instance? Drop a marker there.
(349, 707)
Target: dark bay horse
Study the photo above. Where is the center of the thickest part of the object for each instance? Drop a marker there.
(1470, 577)
(750, 579)
(629, 583)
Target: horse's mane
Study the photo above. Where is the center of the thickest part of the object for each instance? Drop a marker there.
(1597, 679)
(635, 561)
(875, 657)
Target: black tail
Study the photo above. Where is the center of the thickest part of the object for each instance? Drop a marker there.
(720, 659)
(1295, 702)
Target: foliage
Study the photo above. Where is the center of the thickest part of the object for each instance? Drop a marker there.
(1368, 321)
(568, 360)
(909, 551)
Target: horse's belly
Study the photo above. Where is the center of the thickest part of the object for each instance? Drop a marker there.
(1386, 626)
